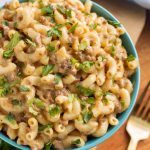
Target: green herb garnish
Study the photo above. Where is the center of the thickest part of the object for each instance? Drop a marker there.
(77, 141)
(83, 46)
(16, 102)
(122, 102)
(61, 9)
(68, 13)
(64, 11)
(72, 29)
(32, 1)
(54, 110)
(10, 117)
(93, 26)
(24, 88)
(102, 58)
(3, 92)
(47, 69)
(87, 116)
(48, 146)
(90, 100)
(55, 31)
(6, 23)
(51, 48)
(85, 91)
(86, 66)
(15, 24)
(28, 41)
(5, 86)
(74, 61)
(43, 127)
(105, 101)
(57, 78)
(10, 46)
(114, 23)
(37, 102)
(1, 34)
(130, 58)
(113, 51)
(72, 97)
(32, 111)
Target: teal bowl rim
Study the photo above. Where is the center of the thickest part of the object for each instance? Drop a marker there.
(136, 79)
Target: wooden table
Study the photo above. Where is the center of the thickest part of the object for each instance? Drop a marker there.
(120, 140)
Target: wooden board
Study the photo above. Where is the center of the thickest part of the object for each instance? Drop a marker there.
(130, 15)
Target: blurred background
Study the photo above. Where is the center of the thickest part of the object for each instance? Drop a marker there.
(135, 16)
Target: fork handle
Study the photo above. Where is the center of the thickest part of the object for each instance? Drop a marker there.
(133, 144)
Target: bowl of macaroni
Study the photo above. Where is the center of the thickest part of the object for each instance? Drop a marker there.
(69, 74)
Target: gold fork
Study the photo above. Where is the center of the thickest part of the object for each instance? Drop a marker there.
(138, 126)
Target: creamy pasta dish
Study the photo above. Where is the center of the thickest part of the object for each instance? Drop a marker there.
(64, 73)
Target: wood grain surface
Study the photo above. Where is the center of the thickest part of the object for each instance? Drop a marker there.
(120, 140)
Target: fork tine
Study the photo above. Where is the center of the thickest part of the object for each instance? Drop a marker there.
(143, 100)
(146, 110)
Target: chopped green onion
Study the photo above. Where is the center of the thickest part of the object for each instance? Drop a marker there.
(83, 45)
(10, 46)
(85, 91)
(24, 88)
(130, 58)
(54, 110)
(86, 66)
(47, 69)
(73, 28)
(87, 116)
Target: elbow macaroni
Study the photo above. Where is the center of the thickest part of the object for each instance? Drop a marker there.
(65, 77)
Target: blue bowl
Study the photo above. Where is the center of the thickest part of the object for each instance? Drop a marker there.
(128, 44)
